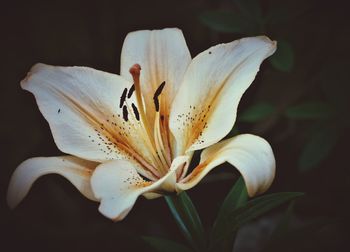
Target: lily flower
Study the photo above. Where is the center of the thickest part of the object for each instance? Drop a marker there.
(135, 133)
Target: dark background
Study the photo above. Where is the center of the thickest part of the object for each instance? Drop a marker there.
(300, 104)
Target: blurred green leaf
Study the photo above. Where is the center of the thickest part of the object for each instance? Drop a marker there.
(236, 198)
(253, 209)
(164, 245)
(218, 177)
(257, 112)
(277, 15)
(187, 219)
(226, 21)
(319, 145)
(282, 12)
(283, 224)
(296, 237)
(233, 132)
(283, 58)
(250, 8)
(334, 80)
(309, 110)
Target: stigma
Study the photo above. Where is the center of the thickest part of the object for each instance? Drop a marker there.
(135, 71)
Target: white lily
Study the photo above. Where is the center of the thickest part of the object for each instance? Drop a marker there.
(135, 133)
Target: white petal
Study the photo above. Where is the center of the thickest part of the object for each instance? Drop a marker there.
(204, 109)
(250, 154)
(76, 170)
(82, 106)
(117, 184)
(163, 56)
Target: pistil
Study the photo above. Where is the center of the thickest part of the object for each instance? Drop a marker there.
(135, 71)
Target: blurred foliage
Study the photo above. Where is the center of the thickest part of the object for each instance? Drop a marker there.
(164, 245)
(251, 210)
(319, 144)
(283, 58)
(248, 18)
(257, 112)
(226, 21)
(287, 238)
(309, 110)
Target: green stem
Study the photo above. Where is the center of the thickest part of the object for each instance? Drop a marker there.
(187, 219)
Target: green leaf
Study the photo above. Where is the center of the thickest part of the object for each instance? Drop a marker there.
(283, 58)
(309, 110)
(187, 219)
(226, 21)
(165, 245)
(236, 198)
(257, 112)
(251, 210)
(319, 145)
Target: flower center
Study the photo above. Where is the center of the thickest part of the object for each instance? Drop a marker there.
(154, 134)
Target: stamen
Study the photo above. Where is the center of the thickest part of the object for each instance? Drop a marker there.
(131, 90)
(146, 139)
(159, 143)
(125, 113)
(136, 112)
(156, 94)
(122, 98)
(153, 134)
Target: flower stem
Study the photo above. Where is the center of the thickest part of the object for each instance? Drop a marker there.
(187, 219)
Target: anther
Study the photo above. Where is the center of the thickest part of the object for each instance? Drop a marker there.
(156, 94)
(131, 90)
(159, 89)
(122, 98)
(136, 112)
(125, 113)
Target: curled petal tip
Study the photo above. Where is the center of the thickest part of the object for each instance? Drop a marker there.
(11, 200)
(34, 69)
(271, 43)
(17, 189)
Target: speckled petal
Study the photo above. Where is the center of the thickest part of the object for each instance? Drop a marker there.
(250, 154)
(204, 109)
(89, 114)
(163, 56)
(118, 185)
